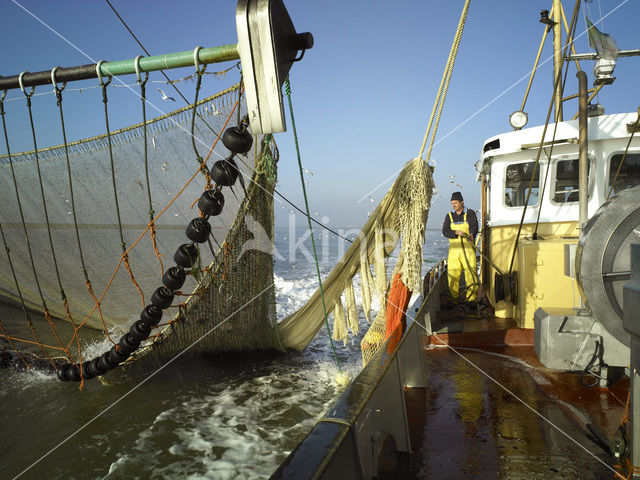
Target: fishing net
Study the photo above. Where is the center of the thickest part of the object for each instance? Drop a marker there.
(90, 229)
(400, 216)
(115, 210)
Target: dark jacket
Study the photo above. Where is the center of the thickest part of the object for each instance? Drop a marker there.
(472, 220)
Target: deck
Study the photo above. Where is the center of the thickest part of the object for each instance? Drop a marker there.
(492, 410)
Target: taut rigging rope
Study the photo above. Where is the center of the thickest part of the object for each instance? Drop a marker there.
(444, 84)
(287, 88)
(574, 19)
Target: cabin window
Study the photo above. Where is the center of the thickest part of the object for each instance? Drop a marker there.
(629, 175)
(567, 181)
(517, 180)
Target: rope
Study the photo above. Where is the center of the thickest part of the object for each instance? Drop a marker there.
(124, 257)
(169, 82)
(574, 19)
(287, 88)
(15, 279)
(147, 228)
(123, 244)
(46, 216)
(58, 93)
(90, 142)
(203, 167)
(143, 98)
(635, 127)
(444, 83)
(42, 195)
(26, 235)
(544, 184)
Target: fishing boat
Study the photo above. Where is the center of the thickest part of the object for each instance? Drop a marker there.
(539, 381)
(554, 250)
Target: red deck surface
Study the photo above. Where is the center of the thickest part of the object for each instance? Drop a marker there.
(492, 410)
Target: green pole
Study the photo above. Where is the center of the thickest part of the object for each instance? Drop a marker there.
(223, 53)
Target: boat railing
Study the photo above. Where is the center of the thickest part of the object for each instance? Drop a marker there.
(346, 442)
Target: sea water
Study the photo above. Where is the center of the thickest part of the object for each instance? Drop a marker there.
(195, 418)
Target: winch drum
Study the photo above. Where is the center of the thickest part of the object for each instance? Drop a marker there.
(603, 258)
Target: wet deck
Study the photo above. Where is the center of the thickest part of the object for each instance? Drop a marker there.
(492, 410)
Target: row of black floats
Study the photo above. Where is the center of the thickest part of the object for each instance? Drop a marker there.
(224, 173)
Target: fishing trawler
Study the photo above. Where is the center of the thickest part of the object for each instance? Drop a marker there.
(533, 384)
(529, 180)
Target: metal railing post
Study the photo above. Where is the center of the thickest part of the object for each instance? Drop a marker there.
(631, 308)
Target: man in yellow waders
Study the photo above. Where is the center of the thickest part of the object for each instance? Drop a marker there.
(461, 227)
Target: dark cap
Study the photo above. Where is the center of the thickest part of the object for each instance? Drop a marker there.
(457, 196)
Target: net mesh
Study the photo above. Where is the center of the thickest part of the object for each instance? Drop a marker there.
(228, 303)
(400, 216)
(116, 288)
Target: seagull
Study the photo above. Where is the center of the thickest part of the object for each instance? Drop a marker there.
(306, 170)
(460, 186)
(371, 198)
(452, 177)
(165, 97)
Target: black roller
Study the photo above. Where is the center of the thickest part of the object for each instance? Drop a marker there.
(63, 372)
(86, 370)
(211, 202)
(128, 344)
(198, 230)
(186, 255)
(105, 362)
(237, 140)
(117, 356)
(151, 315)
(73, 372)
(174, 278)
(162, 297)
(225, 172)
(93, 367)
(140, 330)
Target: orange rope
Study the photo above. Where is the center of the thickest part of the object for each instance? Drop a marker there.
(128, 267)
(397, 304)
(22, 340)
(152, 232)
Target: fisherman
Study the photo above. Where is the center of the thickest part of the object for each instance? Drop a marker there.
(461, 227)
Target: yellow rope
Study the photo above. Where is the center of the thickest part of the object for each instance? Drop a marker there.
(444, 83)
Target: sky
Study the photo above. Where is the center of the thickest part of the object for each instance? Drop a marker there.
(362, 96)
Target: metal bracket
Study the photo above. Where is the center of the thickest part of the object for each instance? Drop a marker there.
(268, 45)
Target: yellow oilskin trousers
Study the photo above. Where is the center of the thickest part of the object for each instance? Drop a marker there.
(462, 256)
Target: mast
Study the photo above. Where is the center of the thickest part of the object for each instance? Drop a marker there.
(557, 56)
(583, 148)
